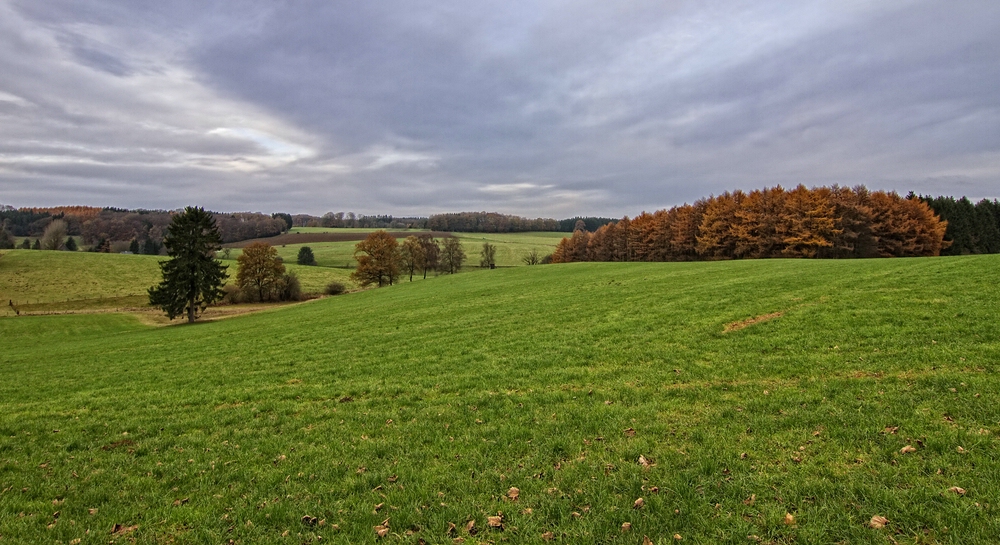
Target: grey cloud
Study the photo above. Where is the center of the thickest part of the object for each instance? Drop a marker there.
(544, 108)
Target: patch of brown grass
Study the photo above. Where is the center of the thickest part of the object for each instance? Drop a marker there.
(736, 326)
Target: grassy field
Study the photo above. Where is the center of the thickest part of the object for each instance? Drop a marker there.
(511, 247)
(772, 401)
(41, 281)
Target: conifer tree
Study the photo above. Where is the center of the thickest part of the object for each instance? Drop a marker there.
(192, 277)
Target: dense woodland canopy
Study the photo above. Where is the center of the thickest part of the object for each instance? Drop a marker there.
(146, 227)
(822, 222)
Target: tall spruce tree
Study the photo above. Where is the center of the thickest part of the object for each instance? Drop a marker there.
(192, 277)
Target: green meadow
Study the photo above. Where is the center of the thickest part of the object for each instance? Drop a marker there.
(48, 282)
(770, 401)
(511, 247)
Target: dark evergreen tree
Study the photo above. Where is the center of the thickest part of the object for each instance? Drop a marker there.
(37, 245)
(71, 245)
(192, 277)
(6, 240)
(26, 244)
(151, 247)
(133, 246)
(306, 256)
(987, 228)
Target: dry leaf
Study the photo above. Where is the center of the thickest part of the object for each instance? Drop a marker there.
(92, 511)
(750, 500)
(960, 450)
(878, 522)
(382, 530)
(495, 522)
(907, 449)
(743, 456)
(118, 529)
(891, 430)
(308, 520)
(789, 519)
(644, 462)
(677, 537)
(471, 526)
(958, 490)
(626, 526)
(513, 493)
(638, 503)
(630, 432)
(393, 479)
(379, 507)
(646, 540)
(75, 541)
(458, 540)
(548, 536)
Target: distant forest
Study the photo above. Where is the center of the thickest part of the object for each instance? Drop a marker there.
(822, 222)
(464, 222)
(100, 227)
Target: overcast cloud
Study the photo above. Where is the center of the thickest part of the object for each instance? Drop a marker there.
(547, 108)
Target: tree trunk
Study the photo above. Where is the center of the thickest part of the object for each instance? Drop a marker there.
(191, 311)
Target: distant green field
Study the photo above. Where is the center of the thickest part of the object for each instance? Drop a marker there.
(346, 230)
(511, 248)
(772, 401)
(45, 281)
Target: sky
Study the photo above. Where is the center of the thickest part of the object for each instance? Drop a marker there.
(548, 108)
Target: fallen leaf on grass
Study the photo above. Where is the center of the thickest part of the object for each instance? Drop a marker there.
(958, 490)
(451, 529)
(789, 519)
(644, 462)
(638, 503)
(495, 522)
(382, 530)
(878, 522)
(471, 527)
(178, 503)
(121, 530)
(907, 449)
(750, 500)
(513, 493)
(960, 450)
(626, 527)
(891, 430)
(308, 520)
(630, 432)
(92, 511)
(646, 540)
(677, 537)
(379, 507)
(346, 399)
(548, 536)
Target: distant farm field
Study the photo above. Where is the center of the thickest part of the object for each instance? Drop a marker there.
(511, 247)
(771, 401)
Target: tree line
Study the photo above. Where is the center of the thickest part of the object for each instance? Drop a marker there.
(972, 228)
(823, 222)
(138, 231)
(382, 260)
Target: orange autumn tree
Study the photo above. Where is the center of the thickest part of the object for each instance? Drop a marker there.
(378, 260)
(834, 222)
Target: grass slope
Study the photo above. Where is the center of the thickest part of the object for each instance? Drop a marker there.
(425, 403)
(43, 281)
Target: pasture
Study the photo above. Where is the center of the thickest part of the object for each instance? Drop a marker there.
(511, 247)
(772, 401)
(50, 282)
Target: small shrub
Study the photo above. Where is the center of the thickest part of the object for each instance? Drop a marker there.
(335, 288)
(289, 288)
(306, 256)
(231, 295)
(546, 260)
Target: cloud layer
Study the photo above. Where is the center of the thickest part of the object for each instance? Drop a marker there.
(549, 108)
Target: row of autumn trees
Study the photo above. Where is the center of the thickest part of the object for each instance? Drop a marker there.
(382, 260)
(823, 222)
